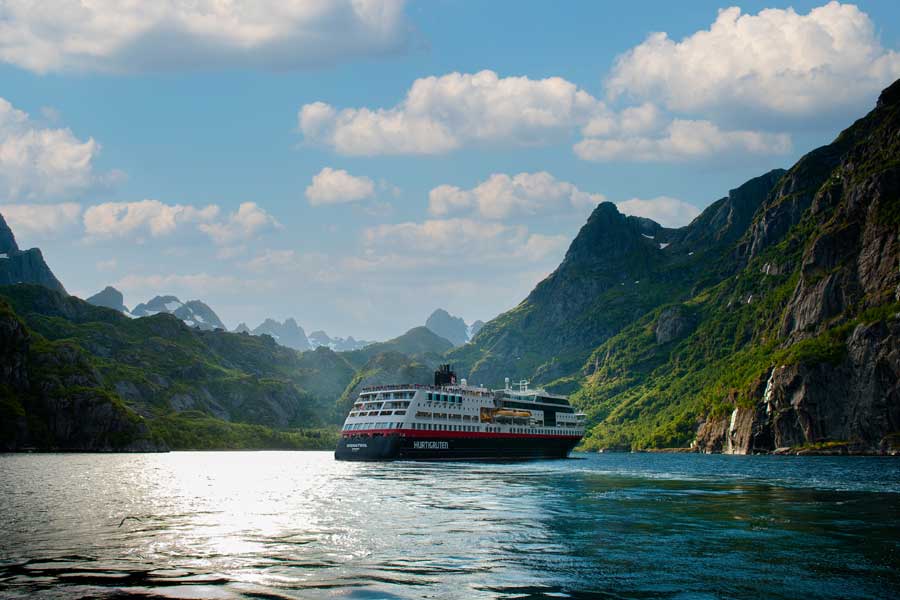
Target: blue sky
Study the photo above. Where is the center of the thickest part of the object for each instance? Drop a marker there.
(170, 150)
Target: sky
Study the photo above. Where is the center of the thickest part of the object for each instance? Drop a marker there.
(358, 164)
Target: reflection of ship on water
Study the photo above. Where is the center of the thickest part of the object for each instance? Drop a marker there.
(456, 421)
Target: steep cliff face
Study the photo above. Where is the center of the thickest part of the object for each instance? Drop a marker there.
(795, 348)
(23, 266)
(851, 406)
(51, 398)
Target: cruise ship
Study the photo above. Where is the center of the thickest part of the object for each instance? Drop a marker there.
(453, 420)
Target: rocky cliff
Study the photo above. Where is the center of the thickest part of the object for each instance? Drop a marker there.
(791, 343)
(51, 398)
(288, 334)
(453, 329)
(109, 297)
(194, 313)
(23, 266)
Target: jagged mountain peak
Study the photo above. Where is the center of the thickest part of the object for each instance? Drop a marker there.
(288, 334)
(7, 239)
(23, 266)
(194, 313)
(448, 327)
(109, 297)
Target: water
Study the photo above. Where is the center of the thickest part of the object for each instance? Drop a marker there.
(300, 525)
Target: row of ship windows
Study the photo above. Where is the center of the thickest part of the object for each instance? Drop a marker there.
(450, 416)
(433, 397)
(375, 413)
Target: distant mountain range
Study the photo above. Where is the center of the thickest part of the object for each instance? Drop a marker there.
(452, 328)
(198, 314)
(319, 339)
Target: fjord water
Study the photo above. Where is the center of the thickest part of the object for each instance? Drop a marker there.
(301, 525)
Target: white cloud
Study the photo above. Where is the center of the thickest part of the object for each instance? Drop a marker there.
(684, 140)
(337, 186)
(246, 223)
(123, 219)
(272, 258)
(194, 284)
(667, 211)
(502, 196)
(777, 62)
(115, 36)
(465, 240)
(107, 265)
(39, 163)
(440, 114)
(41, 219)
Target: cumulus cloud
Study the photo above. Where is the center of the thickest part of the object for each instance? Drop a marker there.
(463, 240)
(777, 61)
(114, 36)
(41, 219)
(337, 186)
(440, 114)
(123, 219)
(665, 210)
(502, 196)
(40, 163)
(246, 223)
(683, 140)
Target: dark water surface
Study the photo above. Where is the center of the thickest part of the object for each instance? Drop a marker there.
(300, 525)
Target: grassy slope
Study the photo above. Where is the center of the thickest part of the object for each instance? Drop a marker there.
(163, 359)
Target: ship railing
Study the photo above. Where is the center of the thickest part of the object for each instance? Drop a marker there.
(430, 388)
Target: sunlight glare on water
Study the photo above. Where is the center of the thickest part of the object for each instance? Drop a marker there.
(301, 525)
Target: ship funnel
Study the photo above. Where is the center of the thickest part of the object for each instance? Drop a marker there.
(444, 376)
(506, 383)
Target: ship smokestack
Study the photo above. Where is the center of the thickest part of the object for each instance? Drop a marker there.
(444, 376)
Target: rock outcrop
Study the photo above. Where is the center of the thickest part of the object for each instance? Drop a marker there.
(288, 334)
(194, 313)
(109, 297)
(674, 322)
(448, 327)
(23, 266)
(855, 402)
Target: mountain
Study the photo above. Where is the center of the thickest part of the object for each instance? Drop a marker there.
(109, 297)
(452, 328)
(287, 334)
(89, 378)
(241, 328)
(418, 344)
(616, 269)
(23, 266)
(194, 313)
(770, 323)
(448, 327)
(319, 338)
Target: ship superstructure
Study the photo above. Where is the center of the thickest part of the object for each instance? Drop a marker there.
(453, 420)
